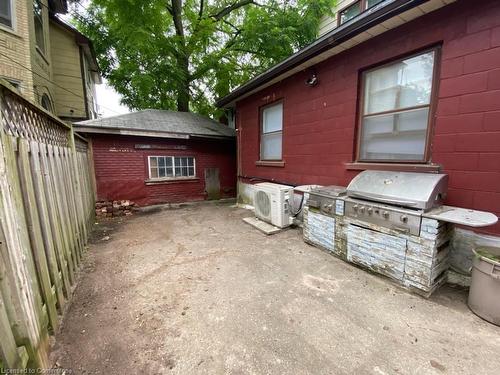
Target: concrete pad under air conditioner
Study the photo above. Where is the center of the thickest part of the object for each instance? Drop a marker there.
(264, 227)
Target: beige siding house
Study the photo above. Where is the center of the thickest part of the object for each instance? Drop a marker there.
(75, 69)
(344, 11)
(47, 60)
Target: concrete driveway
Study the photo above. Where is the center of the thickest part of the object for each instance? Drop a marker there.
(197, 291)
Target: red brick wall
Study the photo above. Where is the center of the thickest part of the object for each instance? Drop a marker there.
(121, 169)
(320, 122)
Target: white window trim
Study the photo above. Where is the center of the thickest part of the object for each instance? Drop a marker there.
(261, 157)
(12, 29)
(173, 178)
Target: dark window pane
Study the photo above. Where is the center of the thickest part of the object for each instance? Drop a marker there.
(161, 172)
(5, 13)
(168, 161)
(170, 172)
(349, 13)
(154, 172)
(184, 162)
(177, 162)
(191, 171)
(161, 161)
(370, 3)
(191, 162)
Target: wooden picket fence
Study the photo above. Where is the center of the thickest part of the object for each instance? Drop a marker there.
(46, 214)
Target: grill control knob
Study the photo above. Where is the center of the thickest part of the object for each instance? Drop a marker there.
(362, 209)
(385, 214)
(330, 206)
(404, 218)
(355, 207)
(370, 210)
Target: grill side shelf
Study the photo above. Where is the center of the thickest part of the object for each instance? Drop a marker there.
(462, 216)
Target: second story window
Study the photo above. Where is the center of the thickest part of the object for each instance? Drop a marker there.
(355, 9)
(6, 13)
(38, 20)
(350, 12)
(271, 132)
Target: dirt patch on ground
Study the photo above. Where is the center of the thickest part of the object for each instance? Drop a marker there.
(196, 290)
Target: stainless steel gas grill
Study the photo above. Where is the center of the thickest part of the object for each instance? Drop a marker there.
(395, 200)
(396, 225)
(392, 223)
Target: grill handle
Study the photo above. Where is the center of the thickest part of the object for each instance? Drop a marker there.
(385, 200)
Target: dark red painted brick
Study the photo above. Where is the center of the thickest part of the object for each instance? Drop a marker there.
(122, 174)
(465, 84)
(448, 106)
(484, 18)
(495, 37)
(452, 67)
(479, 142)
(494, 79)
(465, 123)
(484, 60)
(319, 140)
(460, 161)
(467, 44)
(480, 102)
(489, 161)
(491, 121)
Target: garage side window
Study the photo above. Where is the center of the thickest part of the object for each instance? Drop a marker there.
(171, 167)
(271, 132)
(396, 110)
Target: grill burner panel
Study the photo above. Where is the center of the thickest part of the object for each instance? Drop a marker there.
(399, 219)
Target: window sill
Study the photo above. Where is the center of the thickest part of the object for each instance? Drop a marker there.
(399, 167)
(9, 30)
(270, 163)
(170, 180)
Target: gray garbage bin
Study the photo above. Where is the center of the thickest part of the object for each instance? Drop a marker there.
(484, 293)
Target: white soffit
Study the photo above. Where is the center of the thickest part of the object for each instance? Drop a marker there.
(389, 24)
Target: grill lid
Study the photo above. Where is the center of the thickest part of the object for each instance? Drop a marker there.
(407, 189)
(331, 191)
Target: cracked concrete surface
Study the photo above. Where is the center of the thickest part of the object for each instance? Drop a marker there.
(197, 291)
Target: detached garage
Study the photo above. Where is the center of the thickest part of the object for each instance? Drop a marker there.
(157, 156)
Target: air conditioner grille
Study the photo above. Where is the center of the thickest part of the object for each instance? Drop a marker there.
(263, 203)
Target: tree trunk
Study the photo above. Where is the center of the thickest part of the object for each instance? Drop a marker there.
(182, 56)
(183, 94)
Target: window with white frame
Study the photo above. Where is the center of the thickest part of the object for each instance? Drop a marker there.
(171, 167)
(6, 17)
(395, 109)
(271, 136)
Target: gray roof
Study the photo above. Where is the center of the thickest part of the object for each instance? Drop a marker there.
(153, 122)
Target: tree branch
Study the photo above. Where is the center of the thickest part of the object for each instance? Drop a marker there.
(200, 12)
(225, 11)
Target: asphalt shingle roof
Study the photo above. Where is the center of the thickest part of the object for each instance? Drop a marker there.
(156, 120)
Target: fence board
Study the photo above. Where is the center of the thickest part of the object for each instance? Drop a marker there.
(35, 232)
(54, 219)
(46, 213)
(47, 234)
(25, 299)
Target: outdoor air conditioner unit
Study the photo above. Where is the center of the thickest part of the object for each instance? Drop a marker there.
(272, 203)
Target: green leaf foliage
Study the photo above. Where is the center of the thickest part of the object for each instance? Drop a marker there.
(183, 54)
